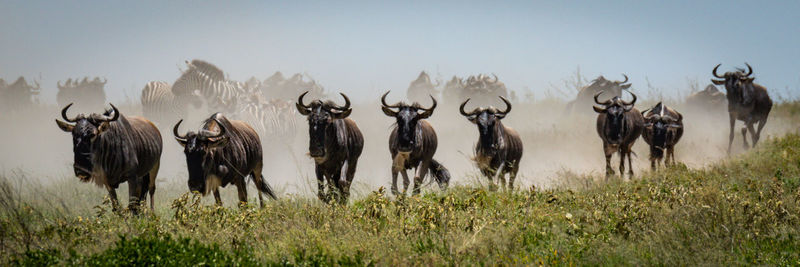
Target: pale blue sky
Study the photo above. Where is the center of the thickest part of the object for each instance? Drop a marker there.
(364, 48)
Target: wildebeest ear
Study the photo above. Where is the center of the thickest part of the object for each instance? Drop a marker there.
(675, 125)
(718, 82)
(64, 126)
(625, 86)
(302, 110)
(473, 118)
(103, 127)
(748, 79)
(627, 108)
(599, 109)
(342, 115)
(389, 112)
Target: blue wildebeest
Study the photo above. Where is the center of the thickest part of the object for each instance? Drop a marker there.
(110, 150)
(412, 144)
(747, 101)
(619, 124)
(335, 142)
(222, 152)
(499, 148)
(663, 128)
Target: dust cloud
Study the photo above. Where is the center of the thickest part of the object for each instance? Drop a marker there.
(555, 143)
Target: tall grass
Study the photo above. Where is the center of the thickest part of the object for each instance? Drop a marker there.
(741, 211)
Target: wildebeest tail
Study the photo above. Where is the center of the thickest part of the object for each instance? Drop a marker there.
(439, 173)
(263, 186)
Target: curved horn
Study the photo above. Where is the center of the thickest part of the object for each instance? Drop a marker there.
(749, 70)
(714, 72)
(464, 112)
(116, 114)
(300, 100)
(58, 84)
(632, 101)
(222, 130)
(626, 79)
(175, 131)
(598, 101)
(383, 101)
(428, 111)
(495, 78)
(105, 80)
(432, 106)
(346, 103)
(64, 113)
(508, 106)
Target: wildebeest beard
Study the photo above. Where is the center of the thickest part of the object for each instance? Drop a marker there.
(200, 162)
(616, 124)
(486, 130)
(406, 129)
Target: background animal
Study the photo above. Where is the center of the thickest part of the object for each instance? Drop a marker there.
(663, 128)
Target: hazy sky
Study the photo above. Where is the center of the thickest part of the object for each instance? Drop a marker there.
(364, 48)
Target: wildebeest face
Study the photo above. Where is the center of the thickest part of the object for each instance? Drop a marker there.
(614, 109)
(85, 131)
(736, 82)
(407, 117)
(200, 150)
(321, 116)
(487, 120)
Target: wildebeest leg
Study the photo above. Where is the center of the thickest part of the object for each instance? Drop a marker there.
(730, 137)
(134, 193)
(653, 163)
(241, 188)
(513, 175)
(752, 133)
(500, 174)
(258, 179)
(217, 197)
(744, 137)
(112, 193)
(621, 163)
(670, 155)
(406, 181)
(333, 180)
(630, 166)
(320, 184)
(758, 132)
(394, 182)
(349, 174)
(609, 150)
(152, 185)
(489, 175)
(422, 170)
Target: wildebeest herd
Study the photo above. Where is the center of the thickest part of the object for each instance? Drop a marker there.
(111, 148)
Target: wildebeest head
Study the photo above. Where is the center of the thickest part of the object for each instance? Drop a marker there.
(321, 116)
(658, 120)
(614, 109)
(614, 87)
(487, 119)
(736, 83)
(407, 117)
(200, 149)
(85, 131)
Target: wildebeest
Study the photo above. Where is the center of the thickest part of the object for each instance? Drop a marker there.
(110, 150)
(663, 128)
(412, 144)
(584, 98)
(747, 101)
(421, 87)
(335, 142)
(223, 151)
(499, 148)
(619, 124)
(88, 94)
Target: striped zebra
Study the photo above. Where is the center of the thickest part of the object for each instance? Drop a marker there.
(207, 81)
(160, 105)
(275, 119)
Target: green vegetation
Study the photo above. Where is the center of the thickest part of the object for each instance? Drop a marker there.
(742, 211)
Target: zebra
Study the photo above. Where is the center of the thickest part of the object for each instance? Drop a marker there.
(161, 106)
(275, 118)
(206, 81)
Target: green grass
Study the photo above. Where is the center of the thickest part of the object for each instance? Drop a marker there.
(743, 211)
